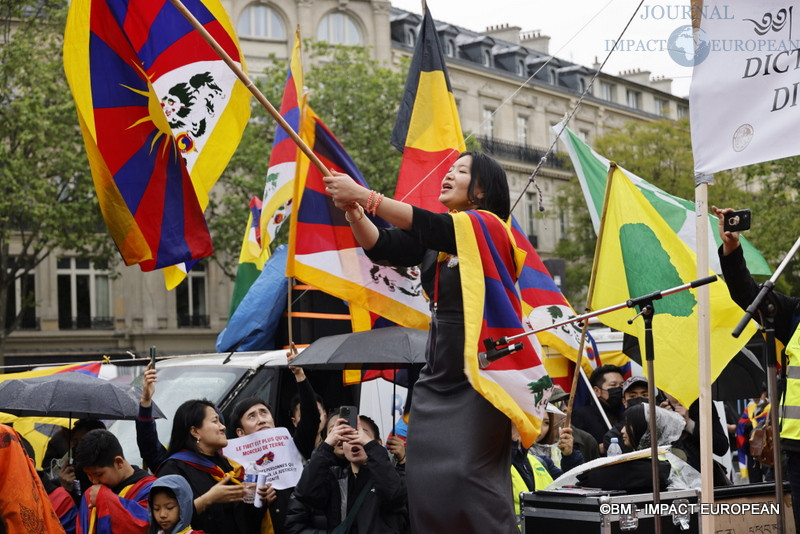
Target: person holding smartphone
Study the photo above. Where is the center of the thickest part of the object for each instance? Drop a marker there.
(743, 290)
(349, 483)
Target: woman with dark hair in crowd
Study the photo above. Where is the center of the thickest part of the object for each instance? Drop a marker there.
(195, 445)
(457, 440)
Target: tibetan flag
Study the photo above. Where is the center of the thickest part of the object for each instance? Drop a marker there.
(323, 252)
(544, 305)
(638, 253)
(161, 115)
(490, 264)
(251, 258)
(125, 513)
(427, 130)
(679, 214)
(279, 186)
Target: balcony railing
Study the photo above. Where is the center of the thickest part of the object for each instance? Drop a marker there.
(522, 153)
(85, 323)
(194, 321)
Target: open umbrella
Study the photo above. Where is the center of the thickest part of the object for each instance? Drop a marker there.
(73, 395)
(381, 348)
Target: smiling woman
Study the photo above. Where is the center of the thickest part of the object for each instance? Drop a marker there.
(198, 436)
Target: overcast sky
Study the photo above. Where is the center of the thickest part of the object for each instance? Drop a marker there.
(580, 30)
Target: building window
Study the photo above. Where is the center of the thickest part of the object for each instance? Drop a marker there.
(607, 91)
(261, 21)
(22, 294)
(520, 68)
(488, 123)
(552, 76)
(683, 111)
(584, 135)
(190, 297)
(531, 202)
(581, 85)
(339, 28)
(83, 295)
(634, 99)
(662, 106)
(411, 37)
(450, 48)
(487, 58)
(522, 130)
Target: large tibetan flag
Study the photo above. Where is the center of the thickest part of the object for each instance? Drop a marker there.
(679, 214)
(490, 263)
(744, 93)
(427, 130)
(323, 251)
(638, 253)
(543, 305)
(279, 185)
(161, 115)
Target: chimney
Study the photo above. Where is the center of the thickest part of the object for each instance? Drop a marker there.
(636, 75)
(662, 84)
(504, 32)
(536, 41)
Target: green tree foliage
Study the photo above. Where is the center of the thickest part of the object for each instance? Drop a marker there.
(355, 96)
(661, 153)
(47, 199)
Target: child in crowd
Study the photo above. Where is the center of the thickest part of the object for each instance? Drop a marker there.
(171, 506)
(117, 500)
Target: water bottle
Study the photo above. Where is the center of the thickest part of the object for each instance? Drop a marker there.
(250, 483)
(614, 449)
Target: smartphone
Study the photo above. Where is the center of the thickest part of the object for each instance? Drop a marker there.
(351, 414)
(737, 221)
(153, 357)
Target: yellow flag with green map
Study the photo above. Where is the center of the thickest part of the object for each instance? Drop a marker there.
(638, 254)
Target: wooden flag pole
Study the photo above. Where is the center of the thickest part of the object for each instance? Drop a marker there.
(245, 79)
(589, 294)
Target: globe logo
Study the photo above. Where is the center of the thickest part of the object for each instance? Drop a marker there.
(682, 49)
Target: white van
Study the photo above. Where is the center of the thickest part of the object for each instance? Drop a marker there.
(224, 378)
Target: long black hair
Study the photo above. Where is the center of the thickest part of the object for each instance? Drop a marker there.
(490, 177)
(189, 414)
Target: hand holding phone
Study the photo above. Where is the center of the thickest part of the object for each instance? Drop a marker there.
(736, 221)
(351, 414)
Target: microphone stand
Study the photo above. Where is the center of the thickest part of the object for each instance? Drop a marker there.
(767, 312)
(496, 349)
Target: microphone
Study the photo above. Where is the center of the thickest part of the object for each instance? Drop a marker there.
(485, 359)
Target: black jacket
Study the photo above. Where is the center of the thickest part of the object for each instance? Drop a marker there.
(322, 493)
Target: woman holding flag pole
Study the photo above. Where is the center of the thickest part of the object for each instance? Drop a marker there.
(458, 468)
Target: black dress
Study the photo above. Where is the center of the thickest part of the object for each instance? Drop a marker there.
(459, 445)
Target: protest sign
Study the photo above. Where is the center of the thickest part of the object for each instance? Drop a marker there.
(276, 456)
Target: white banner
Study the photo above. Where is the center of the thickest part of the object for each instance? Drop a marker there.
(744, 93)
(276, 456)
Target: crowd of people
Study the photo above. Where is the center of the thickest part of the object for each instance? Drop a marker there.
(461, 470)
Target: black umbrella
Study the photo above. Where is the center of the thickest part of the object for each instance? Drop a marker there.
(73, 395)
(381, 348)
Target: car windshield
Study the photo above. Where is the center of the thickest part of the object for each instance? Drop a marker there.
(175, 386)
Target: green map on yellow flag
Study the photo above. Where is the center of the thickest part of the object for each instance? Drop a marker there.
(639, 254)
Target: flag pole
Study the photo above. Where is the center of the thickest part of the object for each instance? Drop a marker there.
(589, 294)
(248, 83)
(703, 328)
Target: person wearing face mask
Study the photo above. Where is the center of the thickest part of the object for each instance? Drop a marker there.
(606, 384)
